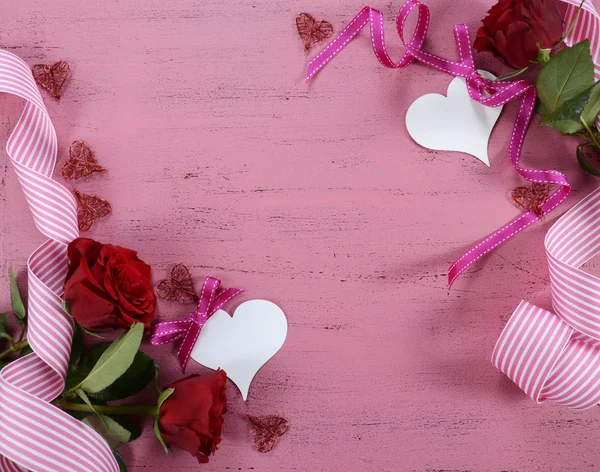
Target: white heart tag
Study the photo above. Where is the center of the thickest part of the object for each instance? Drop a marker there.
(241, 344)
(453, 123)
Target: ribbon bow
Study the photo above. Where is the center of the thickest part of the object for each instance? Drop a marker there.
(212, 298)
(482, 90)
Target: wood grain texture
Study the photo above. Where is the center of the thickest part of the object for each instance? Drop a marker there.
(315, 197)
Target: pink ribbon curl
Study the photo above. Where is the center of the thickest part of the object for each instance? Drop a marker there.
(482, 90)
(34, 434)
(556, 357)
(212, 298)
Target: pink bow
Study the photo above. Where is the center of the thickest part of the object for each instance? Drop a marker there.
(212, 298)
(487, 92)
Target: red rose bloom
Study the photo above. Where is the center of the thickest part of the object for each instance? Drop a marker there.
(107, 286)
(513, 28)
(192, 417)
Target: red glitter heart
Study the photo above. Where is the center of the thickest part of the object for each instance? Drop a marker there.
(179, 286)
(267, 430)
(312, 31)
(531, 198)
(81, 162)
(52, 78)
(89, 209)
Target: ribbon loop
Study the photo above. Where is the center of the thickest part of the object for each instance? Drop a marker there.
(463, 46)
(34, 434)
(482, 90)
(557, 358)
(212, 298)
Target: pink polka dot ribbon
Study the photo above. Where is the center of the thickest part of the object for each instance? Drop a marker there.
(556, 356)
(212, 298)
(35, 435)
(487, 92)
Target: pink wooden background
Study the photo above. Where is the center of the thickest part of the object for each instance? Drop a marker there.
(220, 157)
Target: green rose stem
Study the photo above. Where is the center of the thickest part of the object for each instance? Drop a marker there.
(151, 410)
(14, 348)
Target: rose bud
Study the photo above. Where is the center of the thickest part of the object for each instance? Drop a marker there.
(191, 418)
(107, 286)
(513, 28)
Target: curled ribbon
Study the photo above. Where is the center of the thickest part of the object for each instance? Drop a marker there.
(212, 298)
(556, 357)
(587, 26)
(487, 92)
(35, 435)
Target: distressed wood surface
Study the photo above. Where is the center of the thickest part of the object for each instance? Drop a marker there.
(220, 157)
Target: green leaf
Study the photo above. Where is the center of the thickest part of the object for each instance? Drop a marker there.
(592, 107)
(80, 415)
(584, 161)
(130, 425)
(161, 399)
(136, 377)
(568, 73)
(113, 433)
(120, 461)
(567, 118)
(115, 361)
(565, 127)
(3, 364)
(87, 401)
(15, 297)
(75, 375)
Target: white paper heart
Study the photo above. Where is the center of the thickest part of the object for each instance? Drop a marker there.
(241, 344)
(453, 123)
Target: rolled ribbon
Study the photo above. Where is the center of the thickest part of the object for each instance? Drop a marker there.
(587, 26)
(212, 298)
(556, 357)
(35, 435)
(487, 92)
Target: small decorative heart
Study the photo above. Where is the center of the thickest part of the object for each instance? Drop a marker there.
(453, 123)
(89, 209)
(179, 286)
(312, 31)
(52, 78)
(531, 198)
(267, 430)
(81, 163)
(241, 344)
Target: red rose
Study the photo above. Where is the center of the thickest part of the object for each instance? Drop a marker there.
(108, 286)
(513, 28)
(192, 417)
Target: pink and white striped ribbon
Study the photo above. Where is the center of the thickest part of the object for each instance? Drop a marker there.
(35, 435)
(587, 27)
(556, 357)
